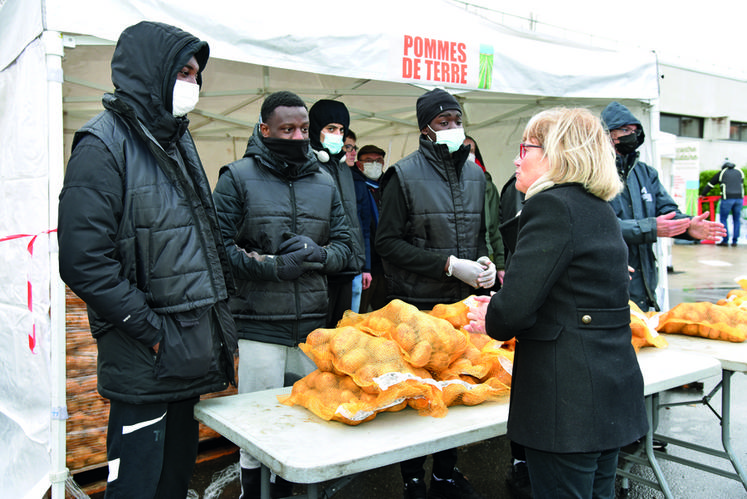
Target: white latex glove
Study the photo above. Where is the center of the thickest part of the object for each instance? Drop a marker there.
(487, 278)
(466, 271)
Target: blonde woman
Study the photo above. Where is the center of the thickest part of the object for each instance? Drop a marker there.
(577, 389)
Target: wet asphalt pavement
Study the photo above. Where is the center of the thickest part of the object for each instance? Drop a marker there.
(701, 272)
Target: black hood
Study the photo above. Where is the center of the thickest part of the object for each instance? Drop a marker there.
(144, 66)
(615, 116)
(321, 114)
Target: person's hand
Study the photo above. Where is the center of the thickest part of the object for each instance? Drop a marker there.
(466, 271)
(501, 274)
(666, 226)
(296, 242)
(702, 228)
(630, 271)
(290, 266)
(476, 314)
(486, 279)
(366, 279)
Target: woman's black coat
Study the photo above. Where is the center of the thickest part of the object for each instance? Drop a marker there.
(576, 386)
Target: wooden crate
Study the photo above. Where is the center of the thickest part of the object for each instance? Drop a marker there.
(87, 410)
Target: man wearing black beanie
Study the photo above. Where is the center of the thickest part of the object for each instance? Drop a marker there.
(328, 122)
(431, 238)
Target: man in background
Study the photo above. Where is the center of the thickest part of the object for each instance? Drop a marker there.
(731, 181)
(645, 210)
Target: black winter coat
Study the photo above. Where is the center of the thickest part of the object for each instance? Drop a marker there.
(576, 385)
(259, 201)
(340, 172)
(138, 234)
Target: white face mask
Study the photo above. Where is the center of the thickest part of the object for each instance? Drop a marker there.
(372, 170)
(472, 157)
(333, 143)
(453, 138)
(185, 97)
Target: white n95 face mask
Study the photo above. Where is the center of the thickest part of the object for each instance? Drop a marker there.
(453, 138)
(185, 97)
(372, 170)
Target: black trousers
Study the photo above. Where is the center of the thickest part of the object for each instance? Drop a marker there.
(443, 465)
(151, 449)
(340, 294)
(561, 476)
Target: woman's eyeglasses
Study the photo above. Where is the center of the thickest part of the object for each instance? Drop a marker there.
(523, 149)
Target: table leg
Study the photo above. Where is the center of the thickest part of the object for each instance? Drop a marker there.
(726, 425)
(265, 483)
(652, 402)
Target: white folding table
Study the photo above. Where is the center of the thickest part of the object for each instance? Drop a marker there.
(302, 448)
(733, 359)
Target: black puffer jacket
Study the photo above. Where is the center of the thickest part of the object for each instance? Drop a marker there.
(344, 180)
(139, 237)
(432, 207)
(259, 200)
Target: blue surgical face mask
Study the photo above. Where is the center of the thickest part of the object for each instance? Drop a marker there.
(453, 138)
(333, 143)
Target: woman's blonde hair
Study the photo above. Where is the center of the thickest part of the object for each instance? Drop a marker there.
(578, 149)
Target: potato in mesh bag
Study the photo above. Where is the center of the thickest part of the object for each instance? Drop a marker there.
(735, 298)
(454, 313)
(335, 397)
(350, 351)
(461, 392)
(644, 330)
(706, 320)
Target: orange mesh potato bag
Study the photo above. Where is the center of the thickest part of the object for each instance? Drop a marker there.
(706, 320)
(335, 397)
(644, 331)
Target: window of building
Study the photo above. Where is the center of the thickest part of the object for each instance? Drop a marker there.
(682, 126)
(738, 131)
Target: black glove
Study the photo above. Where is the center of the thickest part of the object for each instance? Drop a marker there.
(296, 243)
(290, 266)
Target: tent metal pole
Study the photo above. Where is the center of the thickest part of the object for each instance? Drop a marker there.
(58, 474)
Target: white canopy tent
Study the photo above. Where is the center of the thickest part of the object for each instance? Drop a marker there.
(54, 66)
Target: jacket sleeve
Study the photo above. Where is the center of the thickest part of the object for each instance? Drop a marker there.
(90, 211)
(710, 185)
(390, 235)
(339, 247)
(363, 200)
(231, 208)
(543, 253)
(492, 222)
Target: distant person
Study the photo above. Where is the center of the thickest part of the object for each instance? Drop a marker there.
(731, 181)
(285, 229)
(351, 149)
(140, 245)
(645, 210)
(329, 121)
(577, 389)
(492, 211)
(431, 238)
(366, 174)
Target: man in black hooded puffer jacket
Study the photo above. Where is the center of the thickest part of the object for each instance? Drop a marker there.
(140, 245)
